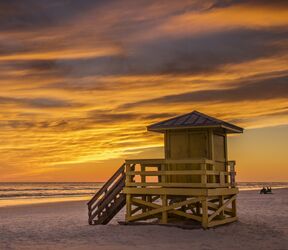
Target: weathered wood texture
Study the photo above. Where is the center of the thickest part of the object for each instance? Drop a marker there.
(169, 209)
(177, 177)
(109, 200)
(195, 181)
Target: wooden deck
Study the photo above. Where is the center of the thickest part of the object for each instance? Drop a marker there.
(149, 195)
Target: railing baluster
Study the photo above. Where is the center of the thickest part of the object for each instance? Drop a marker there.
(99, 202)
(203, 176)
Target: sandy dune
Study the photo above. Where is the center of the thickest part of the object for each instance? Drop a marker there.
(263, 224)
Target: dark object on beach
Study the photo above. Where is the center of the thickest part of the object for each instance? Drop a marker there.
(263, 191)
(267, 190)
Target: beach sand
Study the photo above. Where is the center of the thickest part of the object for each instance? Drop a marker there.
(263, 224)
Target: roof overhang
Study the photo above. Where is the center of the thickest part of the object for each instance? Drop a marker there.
(229, 130)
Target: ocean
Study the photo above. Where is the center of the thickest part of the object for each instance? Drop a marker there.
(20, 193)
(41, 192)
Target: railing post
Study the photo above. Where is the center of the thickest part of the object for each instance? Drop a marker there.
(234, 208)
(143, 180)
(128, 177)
(143, 177)
(221, 202)
(222, 180)
(163, 177)
(204, 175)
(128, 207)
(232, 173)
(164, 213)
(204, 213)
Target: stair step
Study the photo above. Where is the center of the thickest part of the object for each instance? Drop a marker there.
(108, 215)
(109, 200)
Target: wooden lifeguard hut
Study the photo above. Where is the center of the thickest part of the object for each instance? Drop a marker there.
(194, 182)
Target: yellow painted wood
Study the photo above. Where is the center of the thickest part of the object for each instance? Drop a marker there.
(145, 161)
(158, 210)
(168, 191)
(221, 203)
(221, 208)
(143, 177)
(176, 172)
(189, 161)
(149, 199)
(128, 206)
(191, 185)
(164, 213)
(215, 207)
(219, 147)
(195, 168)
(221, 222)
(204, 213)
(181, 191)
(203, 176)
(222, 191)
(176, 212)
(222, 178)
(234, 208)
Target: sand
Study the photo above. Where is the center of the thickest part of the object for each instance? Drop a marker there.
(263, 224)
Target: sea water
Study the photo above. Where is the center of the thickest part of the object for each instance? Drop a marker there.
(22, 193)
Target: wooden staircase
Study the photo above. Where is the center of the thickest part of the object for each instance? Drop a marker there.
(109, 200)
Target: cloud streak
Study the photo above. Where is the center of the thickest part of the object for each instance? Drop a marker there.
(79, 82)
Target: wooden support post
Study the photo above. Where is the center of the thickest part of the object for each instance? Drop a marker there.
(226, 159)
(221, 202)
(128, 177)
(222, 179)
(232, 173)
(203, 176)
(143, 180)
(143, 177)
(128, 206)
(149, 199)
(204, 213)
(163, 177)
(198, 208)
(164, 213)
(234, 208)
(212, 155)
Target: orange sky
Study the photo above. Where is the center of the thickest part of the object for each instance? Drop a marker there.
(79, 82)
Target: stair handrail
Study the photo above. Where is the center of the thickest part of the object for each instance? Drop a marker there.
(112, 193)
(120, 181)
(104, 188)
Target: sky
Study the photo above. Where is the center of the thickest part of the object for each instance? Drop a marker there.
(81, 80)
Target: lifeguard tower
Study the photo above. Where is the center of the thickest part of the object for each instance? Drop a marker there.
(194, 182)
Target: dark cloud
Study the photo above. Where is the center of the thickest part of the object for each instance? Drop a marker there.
(37, 102)
(185, 55)
(159, 116)
(109, 116)
(35, 14)
(36, 67)
(188, 54)
(267, 89)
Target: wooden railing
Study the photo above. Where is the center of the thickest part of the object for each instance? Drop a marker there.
(207, 175)
(107, 195)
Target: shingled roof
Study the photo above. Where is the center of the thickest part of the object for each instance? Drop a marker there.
(194, 119)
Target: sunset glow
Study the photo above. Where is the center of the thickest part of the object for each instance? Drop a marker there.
(79, 82)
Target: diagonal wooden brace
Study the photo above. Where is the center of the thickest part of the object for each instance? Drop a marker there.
(159, 209)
